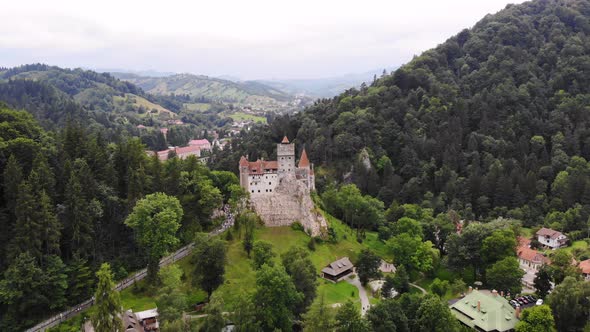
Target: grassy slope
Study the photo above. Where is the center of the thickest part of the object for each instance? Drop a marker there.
(244, 117)
(138, 101)
(240, 277)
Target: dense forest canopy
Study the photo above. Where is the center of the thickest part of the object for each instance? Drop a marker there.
(64, 199)
(492, 122)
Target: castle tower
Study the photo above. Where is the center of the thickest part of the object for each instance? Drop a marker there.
(305, 169)
(244, 172)
(285, 157)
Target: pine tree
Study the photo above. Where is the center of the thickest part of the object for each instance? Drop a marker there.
(107, 302)
(80, 280)
(51, 227)
(42, 177)
(79, 229)
(27, 229)
(13, 176)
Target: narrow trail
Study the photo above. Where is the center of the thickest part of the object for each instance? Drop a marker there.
(365, 304)
(420, 288)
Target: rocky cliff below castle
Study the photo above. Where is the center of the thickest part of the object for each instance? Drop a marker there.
(290, 203)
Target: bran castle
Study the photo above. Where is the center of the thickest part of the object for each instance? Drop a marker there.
(280, 192)
(262, 176)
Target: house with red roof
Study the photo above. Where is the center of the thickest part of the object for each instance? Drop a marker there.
(181, 152)
(203, 144)
(585, 268)
(551, 238)
(529, 259)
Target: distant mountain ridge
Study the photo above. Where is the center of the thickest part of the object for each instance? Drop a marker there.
(325, 87)
(243, 93)
(54, 94)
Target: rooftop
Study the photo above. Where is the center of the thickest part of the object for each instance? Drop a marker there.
(303, 161)
(549, 232)
(337, 267)
(532, 255)
(585, 266)
(485, 312)
(151, 313)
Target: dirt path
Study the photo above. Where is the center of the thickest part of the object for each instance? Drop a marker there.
(420, 288)
(365, 304)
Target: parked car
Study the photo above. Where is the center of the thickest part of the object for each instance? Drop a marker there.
(531, 298)
(521, 301)
(539, 302)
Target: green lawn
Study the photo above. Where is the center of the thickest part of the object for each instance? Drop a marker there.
(197, 107)
(136, 302)
(580, 244)
(338, 293)
(526, 232)
(240, 116)
(240, 277)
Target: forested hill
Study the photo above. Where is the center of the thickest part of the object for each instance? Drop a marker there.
(248, 93)
(494, 121)
(55, 94)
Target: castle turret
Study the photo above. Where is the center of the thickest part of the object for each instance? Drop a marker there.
(285, 157)
(304, 161)
(244, 171)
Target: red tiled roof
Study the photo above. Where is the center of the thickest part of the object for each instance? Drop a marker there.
(285, 140)
(187, 149)
(524, 242)
(258, 166)
(303, 161)
(200, 142)
(585, 266)
(162, 155)
(549, 232)
(244, 161)
(532, 255)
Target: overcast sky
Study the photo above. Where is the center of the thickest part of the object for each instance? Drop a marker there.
(244, 38)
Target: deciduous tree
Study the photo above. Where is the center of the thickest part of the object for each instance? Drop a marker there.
(155, 220)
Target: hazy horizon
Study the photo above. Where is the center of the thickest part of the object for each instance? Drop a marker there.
(250, 40)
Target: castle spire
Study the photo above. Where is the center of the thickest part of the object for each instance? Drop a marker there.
(244, 161)
(303, 161)
(285, 140)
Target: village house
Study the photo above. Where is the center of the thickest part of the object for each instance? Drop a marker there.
(338, 269)
(181, 152)
(585, 268)
(551, 238)
(483, 312)
(203, 144)
(142, 321)
(529, 259)
(262, 176)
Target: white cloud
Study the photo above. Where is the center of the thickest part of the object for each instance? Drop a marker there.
(252, 39)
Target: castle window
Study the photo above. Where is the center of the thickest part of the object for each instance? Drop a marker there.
(252, 190)
(289, 158)
(258, 190)
(269, 183)
(270, 190)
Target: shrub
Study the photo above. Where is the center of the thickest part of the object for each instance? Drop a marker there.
(297, 226)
